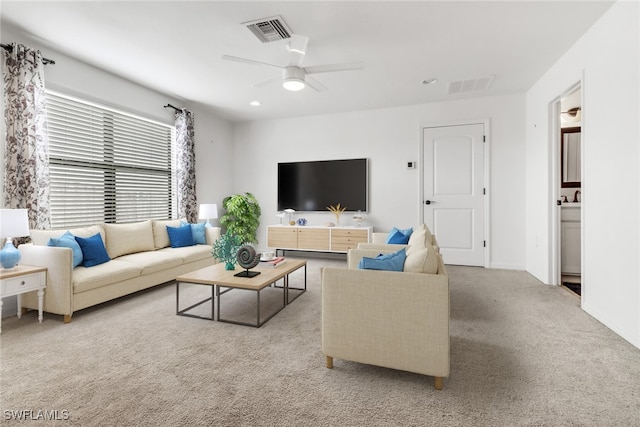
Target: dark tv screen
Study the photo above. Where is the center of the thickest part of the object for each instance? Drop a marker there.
(313, 186)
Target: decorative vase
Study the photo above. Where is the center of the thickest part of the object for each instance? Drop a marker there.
(9, 255)
(230, 265)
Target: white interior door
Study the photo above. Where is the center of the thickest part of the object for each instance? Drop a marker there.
(454, 191)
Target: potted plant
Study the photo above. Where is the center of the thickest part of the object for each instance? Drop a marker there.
(242, 216)
(226, 249)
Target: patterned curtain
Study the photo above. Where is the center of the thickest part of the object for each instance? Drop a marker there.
(26, 161)
(186, 166)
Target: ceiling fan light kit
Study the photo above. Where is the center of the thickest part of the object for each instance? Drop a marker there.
(293, 79)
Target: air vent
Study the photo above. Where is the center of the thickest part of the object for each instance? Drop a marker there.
(269, 29)
(472, 85)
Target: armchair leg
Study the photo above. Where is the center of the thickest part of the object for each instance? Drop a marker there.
(67, 318)
(329, 362)
(437, 383)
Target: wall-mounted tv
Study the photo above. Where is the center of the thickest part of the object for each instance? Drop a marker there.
(312, 186)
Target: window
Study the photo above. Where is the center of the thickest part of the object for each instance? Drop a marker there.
(106, 165)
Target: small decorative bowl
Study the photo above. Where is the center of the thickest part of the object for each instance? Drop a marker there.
(301, 221)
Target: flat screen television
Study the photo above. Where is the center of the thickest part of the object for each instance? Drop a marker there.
(315, 185)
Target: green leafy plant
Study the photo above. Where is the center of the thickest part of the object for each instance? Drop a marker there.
(242, 216)
(226, 249)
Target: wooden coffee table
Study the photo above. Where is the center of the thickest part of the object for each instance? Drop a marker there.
(218, 278)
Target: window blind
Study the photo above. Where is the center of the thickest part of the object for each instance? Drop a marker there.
(106, 165)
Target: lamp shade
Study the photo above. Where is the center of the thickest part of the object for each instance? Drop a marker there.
(208, 211)
(14, 223)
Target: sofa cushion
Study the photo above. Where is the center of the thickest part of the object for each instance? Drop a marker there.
(189, 253)
(93, 250)
(153, 261)
(180, 236)
(197, 232)
(68, 241)
(421, 260)
(399, 236)
(41, 237)
(123, 239)
(391, 262)
(85, 279)
(160, 234)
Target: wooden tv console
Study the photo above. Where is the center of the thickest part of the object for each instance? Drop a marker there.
(316, 238)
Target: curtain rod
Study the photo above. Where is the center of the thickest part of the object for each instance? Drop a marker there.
(171, 106)
(45, 61)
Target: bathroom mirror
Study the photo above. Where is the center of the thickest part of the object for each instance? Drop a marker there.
(570, 153)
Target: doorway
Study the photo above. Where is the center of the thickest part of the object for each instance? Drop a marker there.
(454, 191)
(567, 214)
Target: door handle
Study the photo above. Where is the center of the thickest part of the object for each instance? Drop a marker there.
(428, 202)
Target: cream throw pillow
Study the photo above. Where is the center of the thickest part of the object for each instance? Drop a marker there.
(123, 239)
(418, 237)
(160, 234)
(421, 260)
(421, 235)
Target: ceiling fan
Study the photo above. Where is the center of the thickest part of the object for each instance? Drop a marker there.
(294, 76)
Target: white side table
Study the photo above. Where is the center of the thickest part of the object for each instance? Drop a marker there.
(21, 279)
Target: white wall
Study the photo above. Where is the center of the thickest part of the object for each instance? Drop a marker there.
(214, 168)
(607, 58)
(390, 138)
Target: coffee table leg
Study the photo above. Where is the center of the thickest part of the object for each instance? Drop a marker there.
(218, 298)
(184, 311)
(286, 289)
(258, 310)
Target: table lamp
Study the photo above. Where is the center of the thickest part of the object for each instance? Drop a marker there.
(208, 211)
(13, 223)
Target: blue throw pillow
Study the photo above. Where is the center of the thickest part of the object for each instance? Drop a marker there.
(93, 250)
(180, 236)
(197, 232)
(391, 262)
(68, 241)
(399, 237)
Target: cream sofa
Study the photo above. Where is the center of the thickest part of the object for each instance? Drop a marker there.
(141, 257)
(397, 320)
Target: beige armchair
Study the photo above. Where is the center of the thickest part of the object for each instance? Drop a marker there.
(398, 320)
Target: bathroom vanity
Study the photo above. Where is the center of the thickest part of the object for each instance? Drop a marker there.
(570, 237)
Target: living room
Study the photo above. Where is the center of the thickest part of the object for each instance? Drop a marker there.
(237, 156)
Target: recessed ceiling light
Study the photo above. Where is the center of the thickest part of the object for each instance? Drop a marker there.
(255, 103)
(430, 81)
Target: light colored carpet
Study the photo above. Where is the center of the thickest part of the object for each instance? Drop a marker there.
(522, 354)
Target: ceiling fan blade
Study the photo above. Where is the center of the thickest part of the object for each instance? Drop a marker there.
(267, 82)
(248, 61)
(314, 84)
(315, 69)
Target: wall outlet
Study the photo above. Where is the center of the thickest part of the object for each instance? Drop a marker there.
(411, 165)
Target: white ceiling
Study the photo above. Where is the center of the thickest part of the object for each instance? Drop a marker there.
(175, 47)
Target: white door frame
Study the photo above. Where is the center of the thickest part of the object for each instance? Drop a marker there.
(485, 176)
(555, 267)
